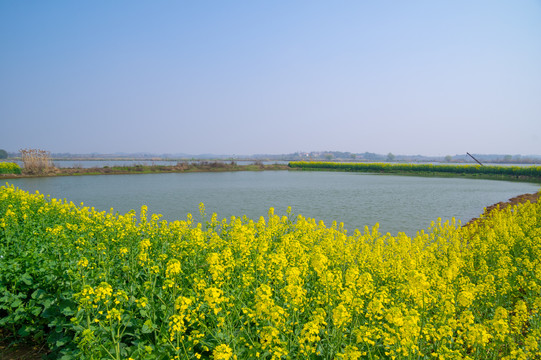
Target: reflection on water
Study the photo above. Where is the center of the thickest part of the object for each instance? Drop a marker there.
(398, 203)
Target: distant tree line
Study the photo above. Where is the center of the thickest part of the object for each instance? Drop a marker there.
(303, 156)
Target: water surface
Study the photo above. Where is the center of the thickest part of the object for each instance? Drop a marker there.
(397, 203)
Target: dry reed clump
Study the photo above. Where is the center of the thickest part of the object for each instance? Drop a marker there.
(36, 161)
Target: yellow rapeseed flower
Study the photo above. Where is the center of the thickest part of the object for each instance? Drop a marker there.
(222, 352)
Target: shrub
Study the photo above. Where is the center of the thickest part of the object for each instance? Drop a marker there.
(36, 161)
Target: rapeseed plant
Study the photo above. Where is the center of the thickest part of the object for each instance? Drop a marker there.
(116, 286)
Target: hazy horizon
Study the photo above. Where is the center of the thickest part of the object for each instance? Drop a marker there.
(417, 77)
(135, 154)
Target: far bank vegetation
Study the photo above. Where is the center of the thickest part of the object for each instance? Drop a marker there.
(201, 166)
(524, 173)
(36, 161)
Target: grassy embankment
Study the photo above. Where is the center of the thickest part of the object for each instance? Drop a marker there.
(95, 285)
(213, 166)
(515, 173)
(202, 166)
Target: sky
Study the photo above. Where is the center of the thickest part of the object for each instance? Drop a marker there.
(271, 77)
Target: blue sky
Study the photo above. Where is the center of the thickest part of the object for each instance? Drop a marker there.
(253, 77)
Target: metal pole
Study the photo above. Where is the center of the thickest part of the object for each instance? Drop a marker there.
(474, 158)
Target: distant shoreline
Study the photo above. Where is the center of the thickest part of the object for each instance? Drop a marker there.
(201, 166)
(500, 173)
(530, 174)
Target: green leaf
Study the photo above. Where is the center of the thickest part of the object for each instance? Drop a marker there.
(27, 279)
(68, 311)
(146, 329)
(38, 294)
(47, 303)
(61, 342)
(36, 311)
(16, 303)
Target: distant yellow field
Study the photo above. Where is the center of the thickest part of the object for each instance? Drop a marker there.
(530, 173)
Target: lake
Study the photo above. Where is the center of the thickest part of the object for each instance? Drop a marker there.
(398, 203)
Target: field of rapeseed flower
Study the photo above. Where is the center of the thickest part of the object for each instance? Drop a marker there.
(9, 168)
(529, 173)
(99, 285)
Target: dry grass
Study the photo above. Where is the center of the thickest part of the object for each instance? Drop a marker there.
(36, 161)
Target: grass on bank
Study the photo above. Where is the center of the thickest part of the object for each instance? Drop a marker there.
(179, 167)
(215, 166)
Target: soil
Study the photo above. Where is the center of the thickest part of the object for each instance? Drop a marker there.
(22, 351)
(533, 198)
